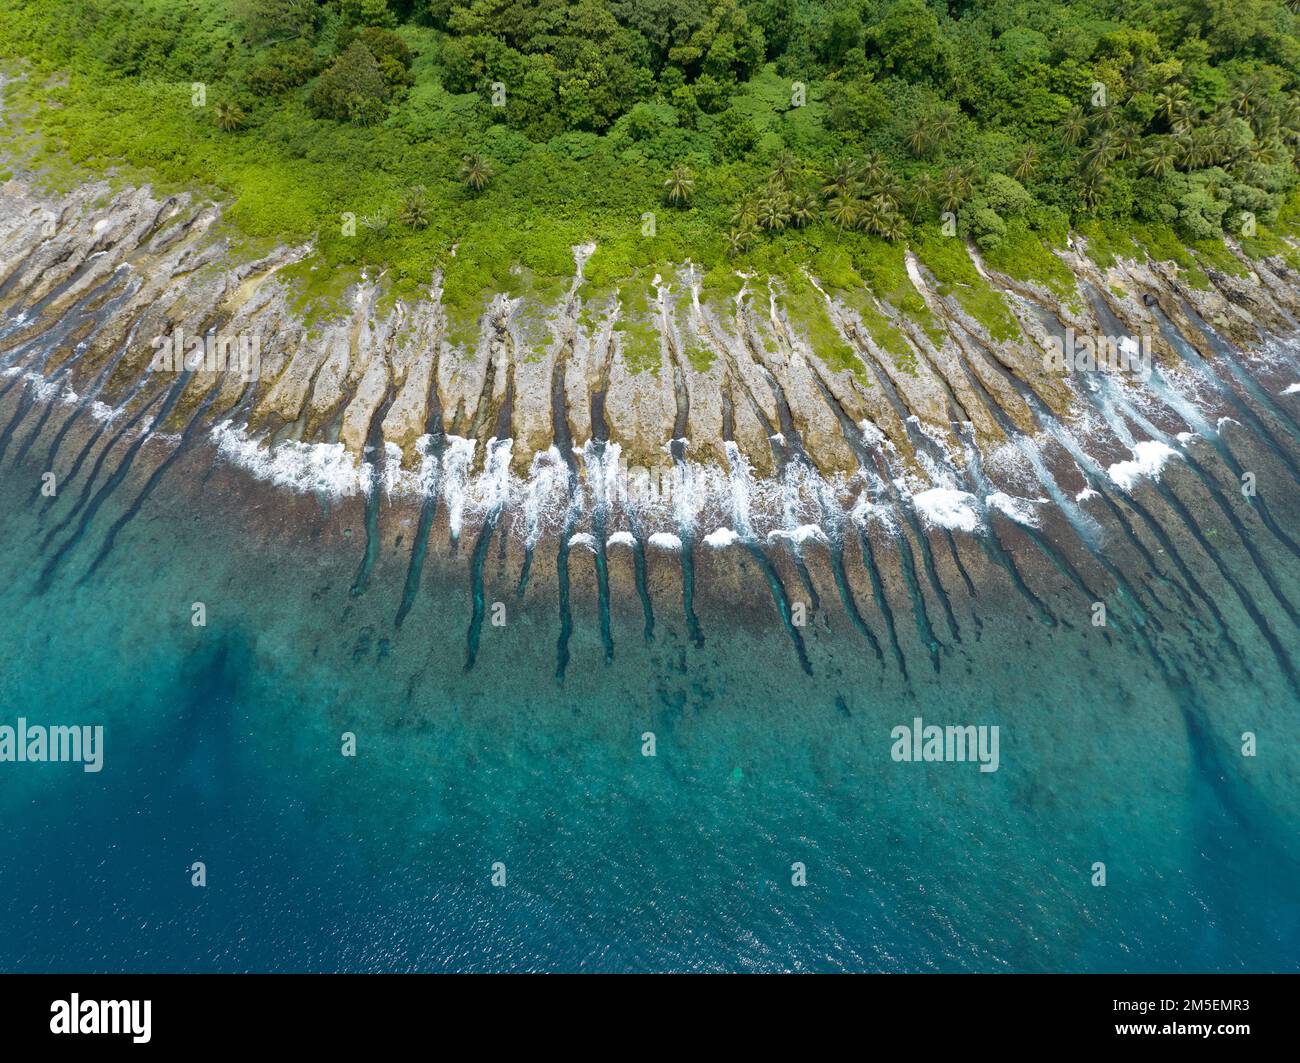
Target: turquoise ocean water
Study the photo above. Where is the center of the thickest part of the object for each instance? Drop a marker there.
(223, 745)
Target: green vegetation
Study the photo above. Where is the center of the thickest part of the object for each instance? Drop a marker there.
(486, 138)
(638, 326)
(1022, 253)
(956, 273)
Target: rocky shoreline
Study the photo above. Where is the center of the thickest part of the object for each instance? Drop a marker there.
(90, 282)
(900, 502)
(901, 507)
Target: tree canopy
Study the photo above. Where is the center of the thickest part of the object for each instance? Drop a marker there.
(762, 122)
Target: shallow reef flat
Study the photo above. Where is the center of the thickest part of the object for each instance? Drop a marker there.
(503, 567)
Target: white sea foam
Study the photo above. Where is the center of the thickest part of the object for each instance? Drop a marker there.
(738, 477)
(1021, 510)
(871, 434)
(324, 468)
(801, 506)
(1149, 458)
(430, 471)
(603, 472)
(802, 534)
(44, 390)
(394, 479)
(866, 512)
(795, 507)
(944, 507)
(455, 471)
(492, 492)
(546, 494)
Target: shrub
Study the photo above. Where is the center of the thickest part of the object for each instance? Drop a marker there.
(285, 67)
(352, 89)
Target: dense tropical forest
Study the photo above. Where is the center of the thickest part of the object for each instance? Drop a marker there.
(489, 136)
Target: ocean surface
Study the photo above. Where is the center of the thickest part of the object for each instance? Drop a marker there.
(224, 745)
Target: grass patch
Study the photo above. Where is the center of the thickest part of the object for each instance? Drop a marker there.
(884, 268)
(1106, 243)
(948, 260)
(1025, 255)
(640, 342)
(807, 310)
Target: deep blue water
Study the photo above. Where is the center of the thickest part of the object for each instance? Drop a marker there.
(223, 746)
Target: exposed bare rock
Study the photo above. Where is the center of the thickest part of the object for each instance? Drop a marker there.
(92, 283)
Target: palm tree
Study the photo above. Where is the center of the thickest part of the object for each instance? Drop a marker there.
(475, 172)
(1075, 126)
(1289, 122)
(1268, 153)
(920, 140)
(872, 169)
(892, 227)
(872, 216)
(228, 116)
(679, 186)
(943, 126)
(1106, 116)
(1092, 189)
(1159, 157)
(955, 188)
(745, 216)
(1222, 151)
(737, 240)
(1128, 141)
(1026, 164)
(803, 208)
(1197, 150)
(785, 168)
(1137, 77)
(888, 188)
(414, 211)
(1224, 146)
(1267, 125)
(842, 211)
(1185, 117)
(924, 190)
(1251, 91)
(772, 213)
(1099, 156)
(843, 178)
(1170, 100)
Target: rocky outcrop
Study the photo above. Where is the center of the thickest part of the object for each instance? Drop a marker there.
(92, 283)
